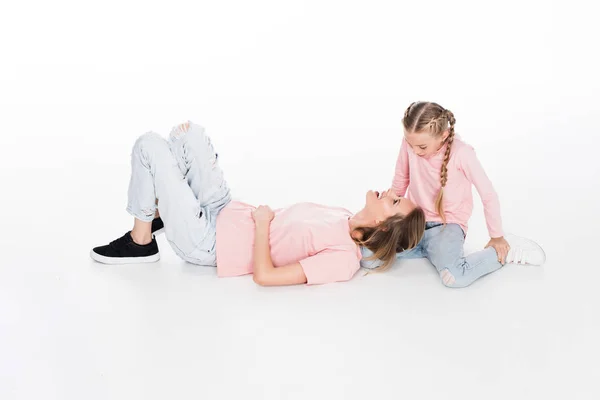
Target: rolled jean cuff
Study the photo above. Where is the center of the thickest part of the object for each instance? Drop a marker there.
(140, 215)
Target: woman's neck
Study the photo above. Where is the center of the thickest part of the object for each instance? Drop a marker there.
(358, 220)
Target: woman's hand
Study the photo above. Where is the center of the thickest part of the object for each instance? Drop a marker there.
(263, 214)
(502, 247)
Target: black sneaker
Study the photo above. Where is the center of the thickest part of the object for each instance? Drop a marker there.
(125, 251)
(158, 226)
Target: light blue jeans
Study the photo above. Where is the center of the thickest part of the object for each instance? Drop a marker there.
(443, 246)
(184, 175)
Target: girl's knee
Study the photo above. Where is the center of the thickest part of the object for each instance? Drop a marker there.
(447, 277)
(453, 279)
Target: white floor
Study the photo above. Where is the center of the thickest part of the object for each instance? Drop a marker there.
(304, 102)
(73, 329)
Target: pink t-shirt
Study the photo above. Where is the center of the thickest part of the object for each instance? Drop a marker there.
(316, 236)
(419, 179)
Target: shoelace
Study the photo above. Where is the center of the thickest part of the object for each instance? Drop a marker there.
(119, 242)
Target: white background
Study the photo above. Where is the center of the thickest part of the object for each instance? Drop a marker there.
(303, 101)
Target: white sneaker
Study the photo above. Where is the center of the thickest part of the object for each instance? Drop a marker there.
(524, 251)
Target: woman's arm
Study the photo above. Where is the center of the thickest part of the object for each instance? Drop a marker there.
(265, 273)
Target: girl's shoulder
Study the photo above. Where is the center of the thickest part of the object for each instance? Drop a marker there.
(461, 149)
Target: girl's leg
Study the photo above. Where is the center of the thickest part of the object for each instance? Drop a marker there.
(371, 264)
(444, 247)
(417, 252)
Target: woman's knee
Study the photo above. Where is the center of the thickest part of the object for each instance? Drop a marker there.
(184, 129)
(149, 143)
(180, 130)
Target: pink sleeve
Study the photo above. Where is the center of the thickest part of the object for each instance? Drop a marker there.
(401, 176)
(491, 204)
(331, 265)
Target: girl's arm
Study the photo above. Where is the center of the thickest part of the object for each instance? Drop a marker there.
(491, 204)
(265, 273)
(401, 176)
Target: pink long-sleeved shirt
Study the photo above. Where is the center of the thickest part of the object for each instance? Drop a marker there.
(418, 179)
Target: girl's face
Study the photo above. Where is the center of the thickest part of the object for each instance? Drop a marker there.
(423, 144)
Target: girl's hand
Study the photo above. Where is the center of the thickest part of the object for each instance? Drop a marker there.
(389, 193)
(502, 247)
(263, 214)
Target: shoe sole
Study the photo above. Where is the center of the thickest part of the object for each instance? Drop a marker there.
(124, 260)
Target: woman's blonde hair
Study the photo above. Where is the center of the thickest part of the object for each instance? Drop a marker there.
(431, 118)
(394, 235)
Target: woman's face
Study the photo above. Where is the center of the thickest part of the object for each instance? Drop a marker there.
(381, 206)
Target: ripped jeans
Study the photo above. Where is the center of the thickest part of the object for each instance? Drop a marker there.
(443, 246)
(185, 177)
